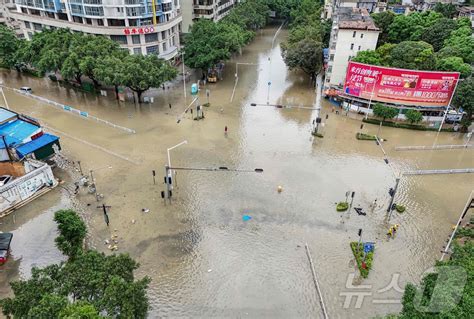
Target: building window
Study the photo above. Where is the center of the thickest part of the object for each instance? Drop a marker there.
(164, 47)
(88, 20)
(27, 25)
(137, 50)
(163, 35)
(352, 46)
(151, 37)
(361, 35)
(152, 49)
(354, 34)
(331, 57)
(122, 39)
(136, 39)
(30, 35)
(358, 48)
(100, 22)
(94, 11)
(37, 26)
(330, 69)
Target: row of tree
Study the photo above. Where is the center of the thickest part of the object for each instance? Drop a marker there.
(88, 285)
(75, 56)
(430, 40)
(209, 43)
(308, 35)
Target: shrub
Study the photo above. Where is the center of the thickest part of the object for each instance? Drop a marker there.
(358, 251)
(365, 137)
(342, 206)
(406, 125)
(400, 208)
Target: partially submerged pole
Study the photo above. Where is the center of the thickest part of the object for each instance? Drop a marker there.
(316, 283)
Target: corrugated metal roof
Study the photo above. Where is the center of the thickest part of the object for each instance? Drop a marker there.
(36, 144)
(17, 131)
(6, 115)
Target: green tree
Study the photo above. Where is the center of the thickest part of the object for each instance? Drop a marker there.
(208, 43)
(411, 27)
(413, 116)
(79, 310)
(462, 41)
(109, 71)
(82, 288)
(438, 32)
(463, 99)
(448, 10)
(383, 20)
(413, 55)
(72, 232)
(384, 112)
(140, 73)
(283, 8)
(368, 57)
(251, 15)
(305, 55)
(9, 45)
(454, 64)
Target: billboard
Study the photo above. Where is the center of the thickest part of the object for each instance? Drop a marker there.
(408, 87)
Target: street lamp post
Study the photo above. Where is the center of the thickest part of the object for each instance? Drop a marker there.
(169, 158)
(184, 77)
(449, 105)
(93, 180)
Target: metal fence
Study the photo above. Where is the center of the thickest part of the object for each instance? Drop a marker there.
(440, 171)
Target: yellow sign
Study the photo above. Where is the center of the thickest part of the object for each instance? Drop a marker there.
(153, 8)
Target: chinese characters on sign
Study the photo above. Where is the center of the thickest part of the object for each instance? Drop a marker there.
(138, 30)
(409, 87)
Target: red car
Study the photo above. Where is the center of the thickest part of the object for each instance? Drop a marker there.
(5, 240)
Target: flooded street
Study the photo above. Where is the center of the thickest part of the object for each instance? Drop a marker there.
(204, 260)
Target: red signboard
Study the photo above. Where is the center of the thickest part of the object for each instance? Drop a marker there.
(408, 87)
(139, 30)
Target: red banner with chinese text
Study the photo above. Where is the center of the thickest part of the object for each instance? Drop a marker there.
(400, 86)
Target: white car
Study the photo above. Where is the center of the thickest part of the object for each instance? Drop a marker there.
(26, 89)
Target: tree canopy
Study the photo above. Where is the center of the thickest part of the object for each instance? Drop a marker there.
(385, 112)
(72, 232)
(9, 46)
(383, 20)
(92, 285)
(413, 116)
(463, 99)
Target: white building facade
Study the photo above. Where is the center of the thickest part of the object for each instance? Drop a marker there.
(128, 22)
(353, 30)
(213, 10)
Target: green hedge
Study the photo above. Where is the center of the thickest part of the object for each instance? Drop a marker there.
(359, 256)
(365, 137)
(342, 206)
(406, 125)
(400, 208)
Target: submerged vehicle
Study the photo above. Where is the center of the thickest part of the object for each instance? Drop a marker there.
(5, 240)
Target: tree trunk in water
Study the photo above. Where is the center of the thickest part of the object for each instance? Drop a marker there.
(139, 94)
(78, 79)
(116, 92)
(96, 83)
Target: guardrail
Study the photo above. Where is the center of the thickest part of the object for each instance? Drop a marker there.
(433, 147)
(73, 110)
(440, 171)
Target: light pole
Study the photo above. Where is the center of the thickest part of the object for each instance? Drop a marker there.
(184, 77)
(371, 96)
(237, 76)
(169, 158)
(3, 95)
(93, 180)
(449, 105)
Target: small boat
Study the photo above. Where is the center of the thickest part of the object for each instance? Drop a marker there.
(5, 240)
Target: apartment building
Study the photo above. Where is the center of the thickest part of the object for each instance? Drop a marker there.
(5, 8)
(213, 10)
(132, 23)
(353, 30)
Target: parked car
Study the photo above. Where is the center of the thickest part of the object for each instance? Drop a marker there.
(5, 240)
(4, 179)
(26, 89)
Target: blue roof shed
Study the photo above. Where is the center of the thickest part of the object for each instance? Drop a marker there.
(6, 115)
(36, 144)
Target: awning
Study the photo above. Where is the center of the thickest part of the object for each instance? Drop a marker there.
(34, 145)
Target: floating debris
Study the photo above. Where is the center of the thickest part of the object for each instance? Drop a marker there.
(279, 189)
(246, 218)
(145, 210)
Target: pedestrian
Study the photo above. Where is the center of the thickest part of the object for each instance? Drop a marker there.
(170, 105)
(374, 204)
(225, 130)
(163, 86)
(390, 232)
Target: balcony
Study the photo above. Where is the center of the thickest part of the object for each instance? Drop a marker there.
(169, 54)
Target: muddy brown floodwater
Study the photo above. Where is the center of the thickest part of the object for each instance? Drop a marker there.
(204, 260)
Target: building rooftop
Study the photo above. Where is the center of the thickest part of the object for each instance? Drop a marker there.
(16, 131)
(356, 19)
(6, 115)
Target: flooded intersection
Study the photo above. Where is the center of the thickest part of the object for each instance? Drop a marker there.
(204, 260)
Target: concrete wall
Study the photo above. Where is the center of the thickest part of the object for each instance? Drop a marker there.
(348, 43)
(25, 187)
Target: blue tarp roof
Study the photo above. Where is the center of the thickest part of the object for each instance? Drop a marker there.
(17, 131)
(6, 115)
(36, 144)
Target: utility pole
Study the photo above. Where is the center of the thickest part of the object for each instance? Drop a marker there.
(168, 181)
(106, 216)
(352, 200)
(392, 193)
(3, 94)
(80, 167)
